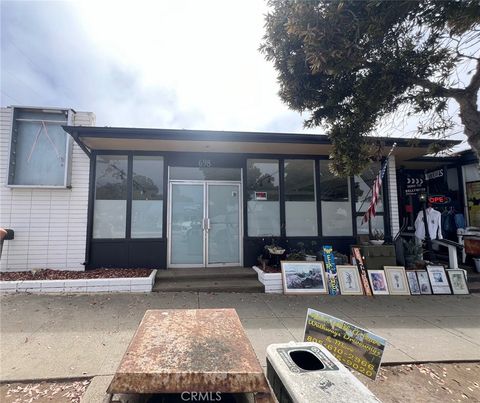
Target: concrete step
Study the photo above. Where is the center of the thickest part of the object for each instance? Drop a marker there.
(207, 273)
(247, 285)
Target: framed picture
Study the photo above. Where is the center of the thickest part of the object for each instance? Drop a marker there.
(438, 280)
(303, 278)
(458, 281)
(424, 282)
(378, 282)
(396, 280)
(413, 282)
(349, 279)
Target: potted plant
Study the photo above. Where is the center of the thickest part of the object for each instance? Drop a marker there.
(275, 252)
(412, 252)
(377, 237)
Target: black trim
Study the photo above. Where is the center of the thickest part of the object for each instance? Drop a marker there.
(317, 197)
(229, 136)
(281, 196)
(91, 197)
(128, 215)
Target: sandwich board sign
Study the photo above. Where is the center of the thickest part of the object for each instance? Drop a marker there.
(353, 346)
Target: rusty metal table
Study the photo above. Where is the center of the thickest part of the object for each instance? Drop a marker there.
(201, 350)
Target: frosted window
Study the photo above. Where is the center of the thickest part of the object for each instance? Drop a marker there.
(363, 186)
(336, 203)
(40, 149)
(147, 195)
(376, 223)
(110, 208)
(300, 204)
(263, 206)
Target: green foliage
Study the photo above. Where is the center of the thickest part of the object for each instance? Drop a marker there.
(351, 63)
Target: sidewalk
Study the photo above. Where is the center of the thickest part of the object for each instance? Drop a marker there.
(63, 336)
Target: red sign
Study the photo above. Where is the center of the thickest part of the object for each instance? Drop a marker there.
(439, 199)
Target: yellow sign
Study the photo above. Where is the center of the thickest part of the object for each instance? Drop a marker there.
(353, 346)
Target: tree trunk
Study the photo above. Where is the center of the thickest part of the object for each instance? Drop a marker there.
(470, 116)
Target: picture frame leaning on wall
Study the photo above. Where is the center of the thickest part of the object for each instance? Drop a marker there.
(396, 280)
(438, 279)
(458, 281)
(349, 280)
(303, 277)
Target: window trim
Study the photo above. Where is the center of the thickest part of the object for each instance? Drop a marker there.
(92, 189)
(68, 151)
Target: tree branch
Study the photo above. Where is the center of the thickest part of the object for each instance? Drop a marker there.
(440, 90)
(475, 82)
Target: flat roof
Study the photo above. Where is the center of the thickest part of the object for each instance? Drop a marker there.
(92, 138)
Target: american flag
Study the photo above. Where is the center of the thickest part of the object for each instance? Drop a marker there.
(377, 186)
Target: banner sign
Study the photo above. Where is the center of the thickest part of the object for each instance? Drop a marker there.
(414, 186)
(331, 270)
(438, 173)
(353, 346)
(357, 254)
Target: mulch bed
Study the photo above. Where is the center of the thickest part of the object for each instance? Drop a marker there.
(48, 274)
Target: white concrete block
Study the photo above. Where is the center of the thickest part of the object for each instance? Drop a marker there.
(8, 286)
(119, 288)
(53, 284)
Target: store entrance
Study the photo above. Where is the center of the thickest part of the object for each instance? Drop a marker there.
(204, 222)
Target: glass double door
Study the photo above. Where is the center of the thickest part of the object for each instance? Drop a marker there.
(204, 224)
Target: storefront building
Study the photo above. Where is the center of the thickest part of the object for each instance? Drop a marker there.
(181, 198)
(164, 198)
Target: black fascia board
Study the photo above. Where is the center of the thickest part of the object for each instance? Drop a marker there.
(231, 136)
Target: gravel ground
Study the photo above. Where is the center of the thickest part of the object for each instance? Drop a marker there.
(72, 275)
(51, 392)
(423, 383)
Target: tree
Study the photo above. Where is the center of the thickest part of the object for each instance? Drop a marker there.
(352, 64)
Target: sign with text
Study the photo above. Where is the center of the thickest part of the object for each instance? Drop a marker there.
(438, 173)
(439, 199)
(331, 270)
(414, 186)
(353, 346)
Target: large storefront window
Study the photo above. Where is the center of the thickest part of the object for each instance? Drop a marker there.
(263, 205)
(335, 203)
(363, 198)
(147, 197)
(110, 207)
(300, 203)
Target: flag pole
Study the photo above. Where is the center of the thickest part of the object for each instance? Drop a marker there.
(371, 188)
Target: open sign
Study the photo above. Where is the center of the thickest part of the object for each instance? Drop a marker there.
(439, 199)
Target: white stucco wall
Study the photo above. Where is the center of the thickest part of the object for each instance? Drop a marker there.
(393, 196)
(49, 224)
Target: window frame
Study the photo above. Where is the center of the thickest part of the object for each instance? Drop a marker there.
(130, 155)
(68, 149)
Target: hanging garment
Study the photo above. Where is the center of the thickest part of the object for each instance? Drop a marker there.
(434, 219)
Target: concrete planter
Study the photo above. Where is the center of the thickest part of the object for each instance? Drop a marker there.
(91, 285)
(271, 281)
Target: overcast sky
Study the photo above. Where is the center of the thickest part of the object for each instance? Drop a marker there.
(165, 64)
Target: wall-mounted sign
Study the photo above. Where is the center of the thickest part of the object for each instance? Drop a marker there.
(439, 199)
(438, 173)
(414, 186)
(351, 345)
(260, 195)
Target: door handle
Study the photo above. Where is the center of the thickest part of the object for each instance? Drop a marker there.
(206, 224)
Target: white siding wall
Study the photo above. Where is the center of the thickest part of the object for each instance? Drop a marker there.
(49, 224)
(393, 196)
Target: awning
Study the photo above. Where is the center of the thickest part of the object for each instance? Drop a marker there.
(91, 138)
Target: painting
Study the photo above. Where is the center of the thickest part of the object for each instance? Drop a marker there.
(303, 278)
(413, 282)
(438, 280)
(378, 282)
(349, 279)
(458, 282)
(424, 282)
(396, 280)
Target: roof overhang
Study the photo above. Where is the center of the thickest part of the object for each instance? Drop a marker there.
(135, 139)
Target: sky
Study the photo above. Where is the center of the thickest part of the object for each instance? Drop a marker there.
(165, 64)
(168, 64)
